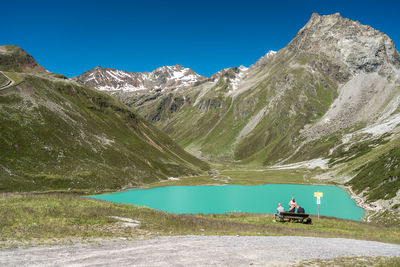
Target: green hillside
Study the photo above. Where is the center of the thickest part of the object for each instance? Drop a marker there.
(56, 134)
(291, 97)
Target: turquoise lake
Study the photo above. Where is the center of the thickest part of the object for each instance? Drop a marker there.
(335, 202)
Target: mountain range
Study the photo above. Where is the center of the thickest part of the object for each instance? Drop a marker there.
(162, 79)
(330, 98)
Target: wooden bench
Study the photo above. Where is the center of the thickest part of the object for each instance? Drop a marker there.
(296, 217)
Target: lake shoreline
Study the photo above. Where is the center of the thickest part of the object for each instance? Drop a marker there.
(222, 199)
(370, 209)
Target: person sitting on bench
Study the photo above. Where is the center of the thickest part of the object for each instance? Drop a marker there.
(300, 209)
(292, 205)
(278, 210)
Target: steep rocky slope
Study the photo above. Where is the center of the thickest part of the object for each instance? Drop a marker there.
(57, 134)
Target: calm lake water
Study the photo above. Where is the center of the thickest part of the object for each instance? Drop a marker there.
(240, 198)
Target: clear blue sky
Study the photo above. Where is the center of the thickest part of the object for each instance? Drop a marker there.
(70, 37)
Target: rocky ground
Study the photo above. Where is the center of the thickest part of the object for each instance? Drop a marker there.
(198, 250)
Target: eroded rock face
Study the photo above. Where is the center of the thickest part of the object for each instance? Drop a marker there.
(369, 81)
(360, 100)
(360, 47)
(167, 105)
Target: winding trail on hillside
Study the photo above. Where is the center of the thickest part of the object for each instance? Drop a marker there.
(7, 84)
(198, 250)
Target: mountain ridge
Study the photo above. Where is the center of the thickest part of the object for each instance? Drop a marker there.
(162, 78)
(145, 82)
(60, 135)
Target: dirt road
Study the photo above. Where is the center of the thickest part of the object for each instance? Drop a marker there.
(197, 250)
(8, 83)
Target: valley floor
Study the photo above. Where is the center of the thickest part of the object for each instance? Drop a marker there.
(200, 250)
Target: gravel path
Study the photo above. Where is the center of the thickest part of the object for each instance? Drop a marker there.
(9, 82)
(197, 250)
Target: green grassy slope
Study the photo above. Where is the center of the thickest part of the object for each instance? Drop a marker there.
(304, 99)
(59, 135)
(380, 176)
(3, 79)
(377, 172)
(211, 120)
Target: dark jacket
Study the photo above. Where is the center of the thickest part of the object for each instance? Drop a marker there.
(301, 210)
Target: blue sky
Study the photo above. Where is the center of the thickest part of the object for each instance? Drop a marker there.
(70, 37)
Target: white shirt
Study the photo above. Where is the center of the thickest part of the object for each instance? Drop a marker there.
(280, 209)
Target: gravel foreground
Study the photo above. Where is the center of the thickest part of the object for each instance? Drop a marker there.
(198, 251)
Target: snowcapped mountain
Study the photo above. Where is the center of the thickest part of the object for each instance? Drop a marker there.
(165, 78)
(145, 90)
(232, 76)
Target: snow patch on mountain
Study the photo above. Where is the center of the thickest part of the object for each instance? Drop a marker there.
(238, 78)
(310, 164)
(270, 53)
(384, 127)
(163, 78)
(377, 129)
(263, 60)
(126, 88)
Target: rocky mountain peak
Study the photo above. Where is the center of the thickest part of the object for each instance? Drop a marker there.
(263, 60)
(232, 76)
(176, 71)
(175, 67)
(227, 73)
(360, 47)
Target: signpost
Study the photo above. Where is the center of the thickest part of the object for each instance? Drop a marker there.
(318, 195)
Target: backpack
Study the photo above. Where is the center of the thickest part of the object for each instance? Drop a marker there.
(307, 221)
